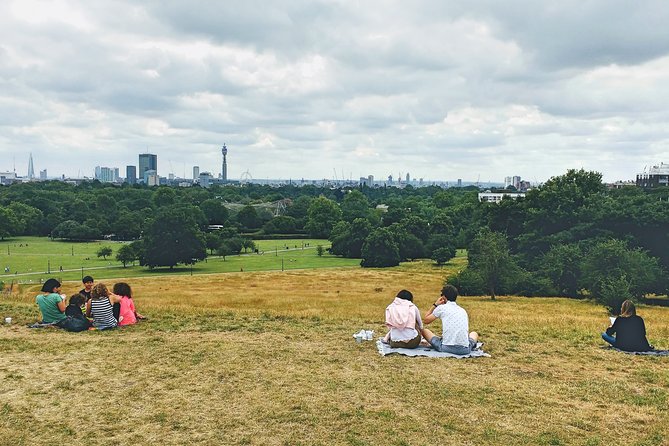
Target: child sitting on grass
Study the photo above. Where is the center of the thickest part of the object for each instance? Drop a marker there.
(74, 308)
(100, 307)
(128, 315)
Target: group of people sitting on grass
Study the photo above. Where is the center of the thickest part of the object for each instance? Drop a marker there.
(93, 307)
(406, 327)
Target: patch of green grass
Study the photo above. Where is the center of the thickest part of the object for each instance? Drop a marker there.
(33, 257)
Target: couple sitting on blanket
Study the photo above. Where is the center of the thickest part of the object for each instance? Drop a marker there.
(406, 325)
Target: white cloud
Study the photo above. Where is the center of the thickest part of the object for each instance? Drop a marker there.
(443, 90)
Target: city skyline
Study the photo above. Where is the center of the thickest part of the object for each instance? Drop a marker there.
(302, 89)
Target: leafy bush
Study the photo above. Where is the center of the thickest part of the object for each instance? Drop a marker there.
(613, 292)
(468, 282)
(443, 255)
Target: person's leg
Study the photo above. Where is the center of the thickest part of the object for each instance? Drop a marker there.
(427, 334)
(610, 339)
(456, 349)
(474, 336)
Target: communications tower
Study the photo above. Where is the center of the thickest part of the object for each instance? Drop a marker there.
(224, 167)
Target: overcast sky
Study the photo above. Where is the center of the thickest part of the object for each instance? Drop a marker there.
(297, 89)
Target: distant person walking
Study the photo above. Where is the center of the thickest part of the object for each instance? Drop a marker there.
(455, 338)
(403, 319)
(629, 330)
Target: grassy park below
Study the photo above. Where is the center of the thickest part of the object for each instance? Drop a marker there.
(267, 358)
(31, 258)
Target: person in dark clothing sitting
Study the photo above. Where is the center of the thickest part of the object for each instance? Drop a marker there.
(74, 309)
(629, 330)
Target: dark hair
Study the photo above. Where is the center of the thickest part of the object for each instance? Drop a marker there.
(87, 279)
(77, 299)
(122, 289)
(406, 295)
(49, 285)
(99, 290)
(450, 293)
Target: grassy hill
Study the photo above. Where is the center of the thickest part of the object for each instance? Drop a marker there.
(267, 358)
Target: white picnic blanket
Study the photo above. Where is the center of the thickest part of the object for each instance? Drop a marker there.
(385, 349)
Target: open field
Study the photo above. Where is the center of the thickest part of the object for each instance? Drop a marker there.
(31, 258)
(267, 358)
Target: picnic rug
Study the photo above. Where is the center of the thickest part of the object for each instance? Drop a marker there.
(385, 349)
(648, 353)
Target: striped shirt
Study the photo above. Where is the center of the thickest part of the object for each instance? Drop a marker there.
(103, 314)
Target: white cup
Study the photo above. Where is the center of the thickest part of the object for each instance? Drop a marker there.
(8, 320)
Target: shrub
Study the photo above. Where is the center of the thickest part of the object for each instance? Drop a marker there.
(468, 282)
(612, 292)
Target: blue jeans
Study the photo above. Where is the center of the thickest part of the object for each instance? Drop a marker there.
(610, 339)
(436, 344)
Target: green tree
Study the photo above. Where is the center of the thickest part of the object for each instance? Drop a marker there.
(380, 249)
(562, 265)
(72, 230)
(215, 211)
(280, 225)
(611, 260)
(322, 216)
(172, 237)
(489, 257)
(27, 217)
(212, 241)
(9, 224)
(127, 226)
(320, 250)
(443, 255)
(164, 196)
(248, 217)
(355, 205)
(126, 254)
(104, 251)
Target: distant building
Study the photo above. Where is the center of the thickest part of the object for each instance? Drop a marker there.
(131, 174)
(147, 162)
(7, 178)
(31, 168)
(151, 178)
(459, 182)
(657, 176)
(206, 179)
(390, 179)
(42, 175)
(106, 174)
(196, 172)
(224, 165)
(496, 197)
(408, 178)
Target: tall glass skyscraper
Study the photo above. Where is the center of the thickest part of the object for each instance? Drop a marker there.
(147, 162)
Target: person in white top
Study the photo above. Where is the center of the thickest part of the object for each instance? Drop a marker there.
(455, 337)
(403, 319)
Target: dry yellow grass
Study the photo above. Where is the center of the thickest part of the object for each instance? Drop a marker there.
(268, 358)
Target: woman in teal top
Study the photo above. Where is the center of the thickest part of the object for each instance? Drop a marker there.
(51, 303)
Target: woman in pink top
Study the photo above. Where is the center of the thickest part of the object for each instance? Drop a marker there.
(403, 317)
(128, 314)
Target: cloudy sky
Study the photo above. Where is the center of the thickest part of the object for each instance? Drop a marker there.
(300, 88)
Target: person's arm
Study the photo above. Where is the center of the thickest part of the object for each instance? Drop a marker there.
(114, 298)
(88, 308)
(613, 328)
(419, 321)
(429, 317)
(61, 305)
